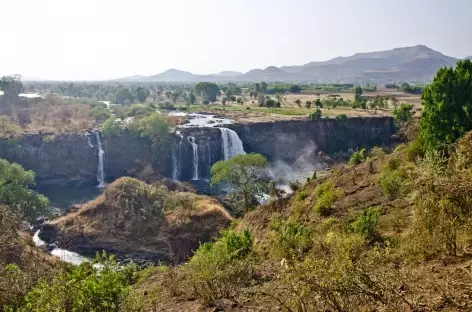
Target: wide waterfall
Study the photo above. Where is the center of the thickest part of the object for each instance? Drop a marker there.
(231, 143)
(195, 157)
(100, 170)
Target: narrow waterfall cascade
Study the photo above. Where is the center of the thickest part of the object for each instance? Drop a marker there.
(195, 157)
(231, 143)
(175, 164)
(64, 255)
(100, 170)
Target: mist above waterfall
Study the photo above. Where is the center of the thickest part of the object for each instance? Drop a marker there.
(283, 172)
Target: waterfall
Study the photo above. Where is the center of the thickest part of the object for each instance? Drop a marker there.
(209, 160)
(195, 157)
(100, 170)
(175, 165)
(231, 143)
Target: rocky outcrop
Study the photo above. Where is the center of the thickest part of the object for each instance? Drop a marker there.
(135, 220)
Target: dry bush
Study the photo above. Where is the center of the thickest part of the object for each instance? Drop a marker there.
(342, 278)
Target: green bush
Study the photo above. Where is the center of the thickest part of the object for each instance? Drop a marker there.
(221, 269)
(206, 102)
(291, 240)
(391, 182)
(316, 115)
(81, 288)
(302, 195)
(294, 185)
(326, 195)
(366, 224)
(341, 117)
(99, 113)
(140, 110)
(357, 157)
(112, 127)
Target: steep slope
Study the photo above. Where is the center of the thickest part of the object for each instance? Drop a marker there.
(139, 221)
(355, 240)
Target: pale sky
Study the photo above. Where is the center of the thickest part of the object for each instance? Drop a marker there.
(106, 39)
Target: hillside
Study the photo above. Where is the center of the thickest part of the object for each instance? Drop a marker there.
(139, 221)
(413, 64)
(355, 240)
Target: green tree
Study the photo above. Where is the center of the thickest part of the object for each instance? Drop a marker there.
(447, 106)
(318, 103)
(308, 104)
(11, 87)
(270, 103)
(192, 98)
(298, 102)
(358, 93)
(112, 127)
(141, 94)
(209, 90)
(263, 87)
(168, 94)
(315, 115)
(16, 191)
(403, 113)
(247, 175)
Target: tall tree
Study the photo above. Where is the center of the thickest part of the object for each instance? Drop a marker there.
(263, 87)
(11, 87)
(358, 93)
(247, 175)
(16, 191)
(447, 106)
(209, 90)
(141, 94)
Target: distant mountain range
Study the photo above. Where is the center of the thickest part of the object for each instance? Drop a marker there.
(411, 64)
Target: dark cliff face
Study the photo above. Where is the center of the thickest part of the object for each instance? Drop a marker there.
(69, 158)
(285, 140)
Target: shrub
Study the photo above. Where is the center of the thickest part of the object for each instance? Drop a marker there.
(221, 269)
(326, 194)
(112, 127)
(166, 105)
(294, 185)
(391, 182)
(357, 157)
(206, 102)
(81, 288)
(302, 194)
(140, 110)
(366, 224)
(290, 240)
(316, 115)
(99, 113)
(341, 117)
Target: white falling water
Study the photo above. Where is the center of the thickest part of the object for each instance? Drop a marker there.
(195, 157)
(231, 143)
(175, 164)
(100, 170)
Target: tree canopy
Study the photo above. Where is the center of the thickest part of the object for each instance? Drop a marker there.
(246, 174)
(16, 192)
(447, 106)
(209, 90)
(11, 87)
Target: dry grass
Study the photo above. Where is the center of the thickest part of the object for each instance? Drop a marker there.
(49, 115)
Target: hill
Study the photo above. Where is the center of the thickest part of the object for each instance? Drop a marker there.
(139, 221)
(363, 238)
(413, 64)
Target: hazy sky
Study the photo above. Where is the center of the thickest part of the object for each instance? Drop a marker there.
(102, 39)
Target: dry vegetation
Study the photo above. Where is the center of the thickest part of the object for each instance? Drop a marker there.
(48, 115)
(132, 217)
(361, 239)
